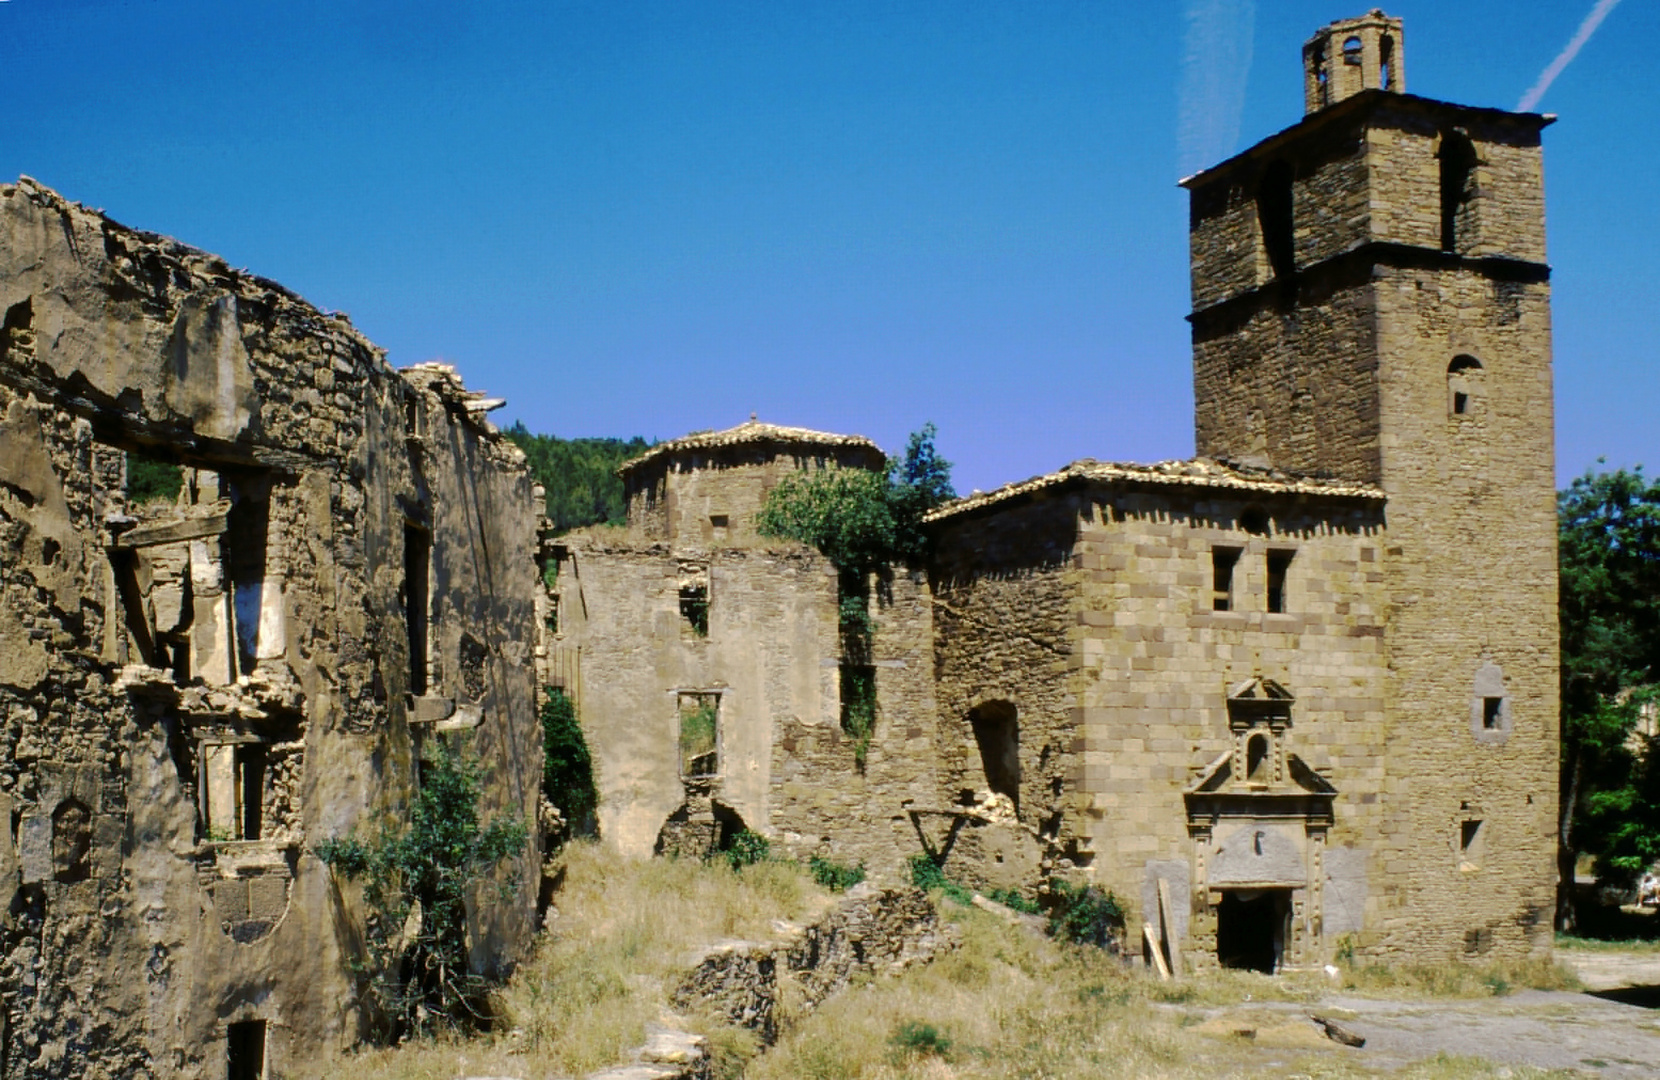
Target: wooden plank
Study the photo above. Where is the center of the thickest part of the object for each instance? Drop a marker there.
(1167, 929)
(177, 532)
(1157, 949)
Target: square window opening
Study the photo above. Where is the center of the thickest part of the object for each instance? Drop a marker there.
(1279, 563)
(1492, 712)
(694, 609)
(1222, 563)
(699, 735)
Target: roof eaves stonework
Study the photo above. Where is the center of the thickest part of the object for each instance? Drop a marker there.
(1192, 473)
(750, 431)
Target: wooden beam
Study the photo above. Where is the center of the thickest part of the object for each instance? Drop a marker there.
(176, 532)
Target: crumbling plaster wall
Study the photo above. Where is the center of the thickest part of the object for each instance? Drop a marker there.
(119, 340)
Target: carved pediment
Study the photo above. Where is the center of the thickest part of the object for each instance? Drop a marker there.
(1257, 701)
(1218, 793)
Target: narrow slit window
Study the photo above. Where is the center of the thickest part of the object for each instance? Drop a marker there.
(1222, 563)
(694, 609)
(1279, 565)
(417, 563)
(1386, 63)
(1492, 712)
(699, 735)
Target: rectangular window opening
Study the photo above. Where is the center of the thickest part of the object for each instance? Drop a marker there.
(1492, 711)
(1460, 403)
(1470, 842)
(694, 608)
(1222, 562)
(699, 735)
(245, 1050)
(417, 564)
(231, 786)
(1279, 562)
(858, 700)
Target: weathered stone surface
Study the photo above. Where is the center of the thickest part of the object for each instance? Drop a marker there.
(872, 931)
(194, 694)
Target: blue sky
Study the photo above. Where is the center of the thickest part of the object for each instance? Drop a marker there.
(648, 218)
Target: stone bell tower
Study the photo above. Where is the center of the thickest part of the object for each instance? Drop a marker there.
(1352, 55)
(1371, 301)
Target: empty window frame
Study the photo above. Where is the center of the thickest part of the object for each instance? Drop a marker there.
(1458, 163)
(1386, 63)
(1353, 51)
(699, 718)
(1279, 566)
(694, 609)
(245, 1050)
(231, 786)
(1463, 379)
(1472, 839)
(1223, 560)
(1492, 713)
(1258, 759)
(1276, 219)
(417, 566)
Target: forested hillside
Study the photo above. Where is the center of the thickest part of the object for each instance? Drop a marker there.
(580, 475)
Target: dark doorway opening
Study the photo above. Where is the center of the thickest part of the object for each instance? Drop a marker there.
(245, 1050)
(1251, 928)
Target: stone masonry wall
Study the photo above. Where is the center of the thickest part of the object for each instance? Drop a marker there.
(150, 652)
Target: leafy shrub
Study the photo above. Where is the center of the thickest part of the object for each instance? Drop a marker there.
(415, 886)
(1013, 900)
(913, 1039)
(567, 767)
(927, 874)
(838, 877)
(149, 480)
(1084, 914)
(747, 848)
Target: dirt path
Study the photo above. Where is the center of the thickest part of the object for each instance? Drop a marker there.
(1613, 1030)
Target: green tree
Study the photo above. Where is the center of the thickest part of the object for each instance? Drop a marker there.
(579, 475)
(416, 883)
(1609, 544)
(863, 522)
(567, 767)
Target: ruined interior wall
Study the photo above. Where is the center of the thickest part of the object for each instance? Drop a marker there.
(769, 653)
(1156, 663)
(117, 339)
(825, 803)
(1005, 615)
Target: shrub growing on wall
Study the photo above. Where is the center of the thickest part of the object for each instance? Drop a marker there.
(415, 886)
(567, 767)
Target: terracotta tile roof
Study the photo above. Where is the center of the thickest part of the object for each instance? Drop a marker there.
(1193, 473)
(750, 431)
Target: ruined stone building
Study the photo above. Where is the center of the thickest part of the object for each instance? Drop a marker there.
(195, 692)
(1295, 696)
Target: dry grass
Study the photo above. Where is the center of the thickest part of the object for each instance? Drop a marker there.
(1006, 1005)
(603, 970)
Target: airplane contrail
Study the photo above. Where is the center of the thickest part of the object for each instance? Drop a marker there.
(1598, 13)
(1216, 63)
